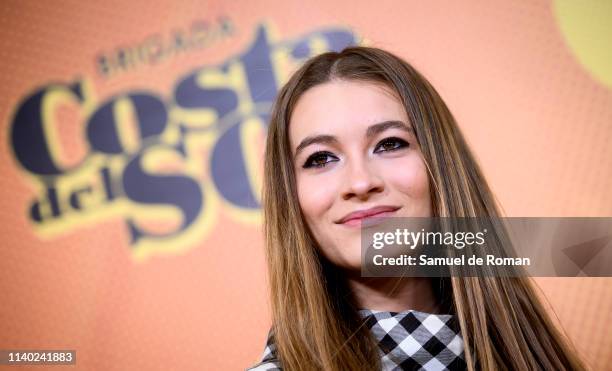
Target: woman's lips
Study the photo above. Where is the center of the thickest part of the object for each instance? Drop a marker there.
(369, 220)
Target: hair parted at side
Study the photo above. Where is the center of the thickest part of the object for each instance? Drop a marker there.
(315, 321)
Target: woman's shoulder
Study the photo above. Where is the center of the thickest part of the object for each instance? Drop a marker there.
(268, 358)
(268, 365)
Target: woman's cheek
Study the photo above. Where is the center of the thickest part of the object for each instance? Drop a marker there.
(414, 181)
(315, 196)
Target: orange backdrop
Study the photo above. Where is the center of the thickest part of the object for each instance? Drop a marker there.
(131, 144)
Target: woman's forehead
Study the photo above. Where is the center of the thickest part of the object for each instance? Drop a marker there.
(344, 104)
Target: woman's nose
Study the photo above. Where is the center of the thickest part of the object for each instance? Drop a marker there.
(362, 181)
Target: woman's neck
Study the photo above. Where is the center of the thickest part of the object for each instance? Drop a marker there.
(393, 294)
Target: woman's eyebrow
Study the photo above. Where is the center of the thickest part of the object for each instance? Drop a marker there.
(371, 131)
(385, 125)
(313, 139)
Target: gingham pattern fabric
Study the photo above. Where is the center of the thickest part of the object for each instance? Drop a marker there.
(409, 340)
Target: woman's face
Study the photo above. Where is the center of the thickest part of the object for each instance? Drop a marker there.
(354, 150)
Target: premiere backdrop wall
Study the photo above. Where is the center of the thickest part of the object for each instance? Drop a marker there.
(131, 148)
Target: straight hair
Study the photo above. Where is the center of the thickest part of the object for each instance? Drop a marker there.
(315, 323)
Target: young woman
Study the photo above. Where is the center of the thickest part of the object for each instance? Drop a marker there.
(358, 134)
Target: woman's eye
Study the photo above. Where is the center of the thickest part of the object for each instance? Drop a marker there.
(391, 144)
(318, 159)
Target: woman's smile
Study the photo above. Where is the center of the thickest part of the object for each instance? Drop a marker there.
(369, 217)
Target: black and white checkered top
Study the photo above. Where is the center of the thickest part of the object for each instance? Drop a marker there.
(409, 340)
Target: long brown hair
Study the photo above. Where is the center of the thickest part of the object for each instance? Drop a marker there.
(315, 320)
